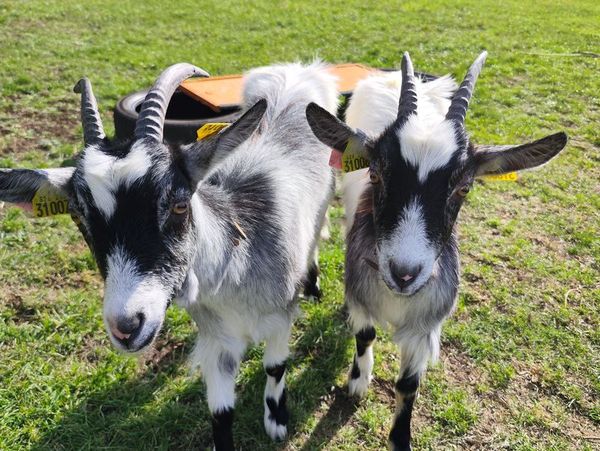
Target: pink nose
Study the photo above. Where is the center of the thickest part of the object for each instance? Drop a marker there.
(123, 327)
(403, 275)
(117, 333)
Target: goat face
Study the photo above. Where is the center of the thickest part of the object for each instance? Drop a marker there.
(421, 169)
(418, 177)
(135, 205)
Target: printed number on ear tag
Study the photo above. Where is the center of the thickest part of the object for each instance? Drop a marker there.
(508, 177)
(354, 157)
(49, 203)
(210, 129)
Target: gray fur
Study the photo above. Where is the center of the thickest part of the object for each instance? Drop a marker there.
(382, 232)
(365, 291)
(229, 224)
(227, 363)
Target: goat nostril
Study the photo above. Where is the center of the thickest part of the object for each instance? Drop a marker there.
(125, 327)
(117, 333)
(403, 275)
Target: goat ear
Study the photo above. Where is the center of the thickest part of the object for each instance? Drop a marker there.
(503, 159)
(328, 128)
(19, 186)
(240, 130)
(202, 155)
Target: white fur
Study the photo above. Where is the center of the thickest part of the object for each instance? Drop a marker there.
(274, 430)
(307, 82)
(58, 177)
(403, 315)
(374, 106)
(275, 353)
(358, 387)
(104, 174)
(220, 386)
(408, 246)
(353, 185)
(232, 309)
(127, 293)
(277, 348)
(427, 145)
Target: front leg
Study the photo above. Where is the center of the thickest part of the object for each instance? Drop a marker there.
(406, 391)
(274, 361)
(219, 361)
(362, 365)
(416, 351)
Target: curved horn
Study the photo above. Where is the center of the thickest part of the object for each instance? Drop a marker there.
(408, 92)
(151, 121)
(93, 132)
(460, 101)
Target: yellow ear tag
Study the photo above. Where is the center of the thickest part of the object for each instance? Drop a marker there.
(354, 157)
(508, 177)
(48, 202)
(210, 129)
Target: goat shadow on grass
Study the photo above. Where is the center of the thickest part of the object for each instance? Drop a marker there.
(147, 411)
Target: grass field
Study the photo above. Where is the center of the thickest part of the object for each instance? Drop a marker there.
(520, 364)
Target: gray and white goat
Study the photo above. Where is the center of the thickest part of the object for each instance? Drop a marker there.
(227, 225)
(402, 263)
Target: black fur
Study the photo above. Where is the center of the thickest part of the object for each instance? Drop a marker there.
(355, 373)
(134, 225)
(400, 433)
(276, 371)
(400, 186)
(311, 283)
(278, 409)
(222, 430)
(407, 386)
(364, 338)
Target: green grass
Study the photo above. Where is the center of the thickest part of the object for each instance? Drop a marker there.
(520, 365)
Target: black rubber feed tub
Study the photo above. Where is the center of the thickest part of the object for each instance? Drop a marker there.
(186, 115)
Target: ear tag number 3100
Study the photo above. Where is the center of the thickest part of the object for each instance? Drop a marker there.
(354, 157)
(47, 202)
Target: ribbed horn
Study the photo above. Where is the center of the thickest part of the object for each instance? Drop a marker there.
(93, 132)
(460, 101)
(151, 121)
(408, 92)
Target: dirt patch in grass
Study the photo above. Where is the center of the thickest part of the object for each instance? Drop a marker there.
(164, 354)
(522, 406)
(24, 129)
(23, 313)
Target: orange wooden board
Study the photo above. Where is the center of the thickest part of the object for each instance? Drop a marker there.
(226, 91)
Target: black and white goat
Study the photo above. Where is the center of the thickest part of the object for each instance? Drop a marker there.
(402, 265)
(227, 225)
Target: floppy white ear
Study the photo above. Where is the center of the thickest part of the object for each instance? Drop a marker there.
(18, 186)
(503, 159)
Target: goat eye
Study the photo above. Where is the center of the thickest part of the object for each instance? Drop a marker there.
(180, 208)
(464, 190)
(374, 177)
